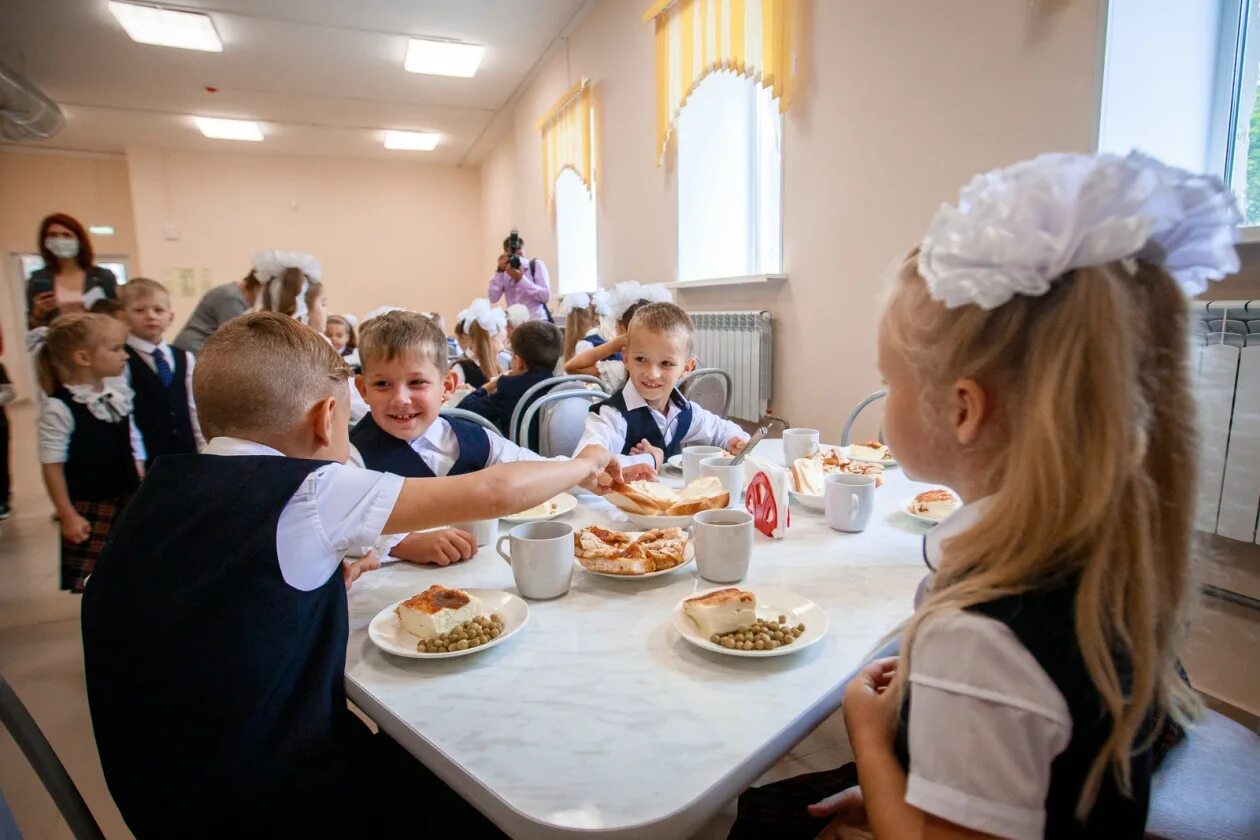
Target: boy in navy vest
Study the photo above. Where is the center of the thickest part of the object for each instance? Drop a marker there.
(536, 349)
(648, 420)
(405, 379)
(215, 623)
(160, 375)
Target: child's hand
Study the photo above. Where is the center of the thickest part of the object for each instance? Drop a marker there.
(658, 455)
(351, 571)
(618, 343)
(635, 472)
(436, 548)
(491, 386)
(870, 706)
(736, 445)
(74, 528)
(604, 468)
(848, 808)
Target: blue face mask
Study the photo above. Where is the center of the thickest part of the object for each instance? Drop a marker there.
(61, 247)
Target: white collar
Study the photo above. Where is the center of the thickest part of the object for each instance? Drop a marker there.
(956, 523)
(145, 346)
(432, 437)
(634, 399)
(111, 403)
(238, 446)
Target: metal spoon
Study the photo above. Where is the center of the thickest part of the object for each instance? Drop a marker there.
(748, 447)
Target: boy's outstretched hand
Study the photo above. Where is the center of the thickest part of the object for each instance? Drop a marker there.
(604, 469)
(436, 548)
(658, 454)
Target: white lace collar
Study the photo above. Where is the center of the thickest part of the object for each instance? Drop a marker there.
(111, 404)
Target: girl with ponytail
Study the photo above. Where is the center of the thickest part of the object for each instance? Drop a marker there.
(483, 328)
(1034, 348)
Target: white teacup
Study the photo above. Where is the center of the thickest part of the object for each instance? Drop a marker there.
(798, 443)
(483, 530)
(541, 557)
(691, 458)
(848, 501)
(723, 541)
(732, 477)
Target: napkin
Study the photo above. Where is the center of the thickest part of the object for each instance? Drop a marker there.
(766, 496)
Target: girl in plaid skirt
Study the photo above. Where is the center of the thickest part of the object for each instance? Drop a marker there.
(91, 453)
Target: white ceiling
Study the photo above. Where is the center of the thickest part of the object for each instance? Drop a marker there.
(323, 76)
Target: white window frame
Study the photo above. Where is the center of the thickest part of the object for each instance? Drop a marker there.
(564, 267)
(764, 240)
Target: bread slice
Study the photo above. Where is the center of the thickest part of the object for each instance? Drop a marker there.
(807, 476)
(705, 493)
(633, 499)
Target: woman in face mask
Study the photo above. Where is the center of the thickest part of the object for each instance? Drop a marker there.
(68, 275)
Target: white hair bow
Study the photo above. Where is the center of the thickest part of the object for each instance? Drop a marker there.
(1017, 230)
(270, 266)
(517, 314)
(492, 320)
(599, 299)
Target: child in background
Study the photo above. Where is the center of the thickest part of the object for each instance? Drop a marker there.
(158, 374)
(606, 360)
(340, 332)
(404, 384)
(483, 329)
(108, 307)
(6, 480)
(648, 420)
(1070, 335)
(536, 347)
(260, 732)
(517, 314)
(583, 314)
(452, 347)
(89, 446)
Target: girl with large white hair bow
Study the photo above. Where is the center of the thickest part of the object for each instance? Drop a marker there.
(604, 359)
(483, 328)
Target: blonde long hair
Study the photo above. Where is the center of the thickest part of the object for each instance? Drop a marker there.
(577, 325)
(67, 334)
(481, 350)
(1093, 476)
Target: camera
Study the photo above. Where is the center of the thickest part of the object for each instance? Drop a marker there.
(514, 241)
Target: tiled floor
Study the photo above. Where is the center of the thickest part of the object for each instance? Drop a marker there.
(42, 658)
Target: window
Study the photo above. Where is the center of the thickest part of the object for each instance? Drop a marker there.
(729, 180)
(575, 234)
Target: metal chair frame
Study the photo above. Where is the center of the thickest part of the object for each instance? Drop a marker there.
(465, 414)
(685, 386)
(515, 426)
(532, 411)
(847, 432)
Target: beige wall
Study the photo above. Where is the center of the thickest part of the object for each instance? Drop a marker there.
(388, 233)
(900, 103)
(92, 188)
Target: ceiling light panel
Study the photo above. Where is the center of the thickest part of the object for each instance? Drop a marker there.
(443, 58)
(167, 27)
(411, 141)
(217, 128)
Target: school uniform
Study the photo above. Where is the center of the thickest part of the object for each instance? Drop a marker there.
(161, 378)
(590, 342)
(214, 638)
(621, 421)
(93, 436)
(499, 407)
(470, 372)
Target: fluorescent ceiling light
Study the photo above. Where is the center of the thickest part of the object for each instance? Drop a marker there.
(220, 129)
(167, 27)
(411, 141)
(101, 230)
(443, 58)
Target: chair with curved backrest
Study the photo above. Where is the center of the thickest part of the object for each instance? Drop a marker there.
(473, 416)
(516, 430)
(709, 388)
(26, 733)
(846, 433)
(561, 418)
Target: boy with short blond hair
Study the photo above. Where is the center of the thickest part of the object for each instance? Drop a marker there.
(215, 623)
(648, 420)
(160, 375)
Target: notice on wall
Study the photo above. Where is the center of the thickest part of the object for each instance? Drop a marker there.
(183, 281)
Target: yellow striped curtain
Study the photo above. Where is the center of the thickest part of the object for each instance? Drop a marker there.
(566, 138)
(696, 37)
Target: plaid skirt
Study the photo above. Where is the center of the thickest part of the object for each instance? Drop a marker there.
(77, 561)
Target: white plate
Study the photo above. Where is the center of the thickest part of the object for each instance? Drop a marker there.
(907, 507)
(387, 632)
(887, 462)
(810, 501)
(689, 554)
(772, 602)
(647, 523)
(674, 462)
(564, 503)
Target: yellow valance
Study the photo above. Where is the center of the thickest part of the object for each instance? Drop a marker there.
(696, 37)
(566, 138)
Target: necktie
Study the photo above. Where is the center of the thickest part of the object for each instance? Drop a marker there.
(162, 367)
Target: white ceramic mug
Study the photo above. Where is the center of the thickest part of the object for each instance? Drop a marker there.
(483, 530)
(798, 443)
(848, 501)
(691, 458)
(723, 541)
(541, 557)
(732, 477)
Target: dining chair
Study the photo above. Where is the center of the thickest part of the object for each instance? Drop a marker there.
(847, 432)
(561, 418)
(30, 739)
(709, 388)
(514, 427)
(473, 416)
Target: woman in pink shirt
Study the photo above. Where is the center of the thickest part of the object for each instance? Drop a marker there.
(528, 285)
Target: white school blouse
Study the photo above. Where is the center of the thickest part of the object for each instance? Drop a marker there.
(146, 349)
(56, 423)
(986, 721)
(607, 428)
(336, 507)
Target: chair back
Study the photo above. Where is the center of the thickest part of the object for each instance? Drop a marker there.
(26, 733)
(465, 414)
(847, 432)
(561, 418)
(709, 388)
(518, 433)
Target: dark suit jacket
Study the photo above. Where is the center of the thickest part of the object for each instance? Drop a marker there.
(42, 281)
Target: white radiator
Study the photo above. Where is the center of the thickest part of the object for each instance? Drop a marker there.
(1226, 364)
(740, 344)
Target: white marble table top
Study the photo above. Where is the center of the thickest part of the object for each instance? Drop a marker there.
(598, 719)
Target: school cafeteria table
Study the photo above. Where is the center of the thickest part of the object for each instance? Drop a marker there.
(598, 719)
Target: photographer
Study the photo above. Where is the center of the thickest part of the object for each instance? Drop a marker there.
(521, 280)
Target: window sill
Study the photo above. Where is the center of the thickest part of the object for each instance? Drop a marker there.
(744, 280)
(1249, 235)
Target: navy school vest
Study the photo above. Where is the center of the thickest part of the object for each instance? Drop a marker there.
(161, 411)
(100, 465)
(597, 340)
(383, 452)
(473, 375)
(640, 425)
